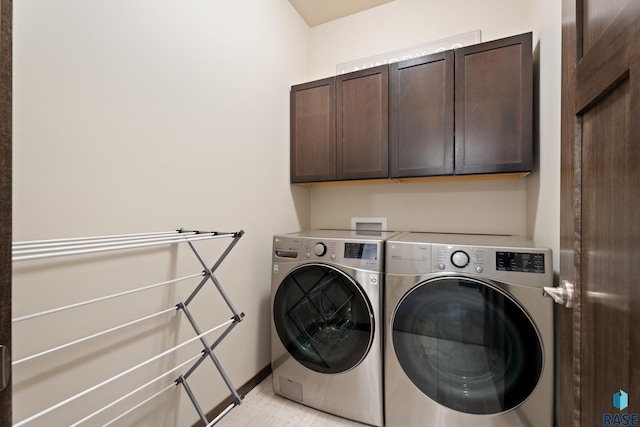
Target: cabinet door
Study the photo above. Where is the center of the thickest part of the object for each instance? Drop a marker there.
(493, 106)
(313, 131)
(421, 116)
(362, 99)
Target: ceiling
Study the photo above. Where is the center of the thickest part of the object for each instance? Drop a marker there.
(316, 12)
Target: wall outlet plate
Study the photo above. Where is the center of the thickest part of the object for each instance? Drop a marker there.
(369, 224)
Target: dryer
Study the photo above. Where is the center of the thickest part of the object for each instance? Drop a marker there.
(326, 329)
(469, 335)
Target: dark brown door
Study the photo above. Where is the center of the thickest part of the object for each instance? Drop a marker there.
(421, 116)
(6, 14)
(493, 106)
(362, 99)
(313, 131)
(600, 201)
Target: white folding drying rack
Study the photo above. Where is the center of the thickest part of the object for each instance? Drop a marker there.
(32, 250)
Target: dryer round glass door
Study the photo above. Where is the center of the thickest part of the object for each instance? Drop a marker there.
(467, 345)
(323, 318)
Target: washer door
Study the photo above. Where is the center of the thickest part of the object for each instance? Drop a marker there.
(323, 319)
(467, 345)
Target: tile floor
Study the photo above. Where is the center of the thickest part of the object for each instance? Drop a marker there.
(262, 407)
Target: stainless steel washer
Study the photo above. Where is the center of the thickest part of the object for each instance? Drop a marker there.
(326, 334)
(469, 335)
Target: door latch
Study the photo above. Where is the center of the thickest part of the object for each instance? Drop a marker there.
(563, 294)
(5, 366)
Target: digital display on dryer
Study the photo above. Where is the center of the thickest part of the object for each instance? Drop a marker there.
(361, 250)
(520, 262)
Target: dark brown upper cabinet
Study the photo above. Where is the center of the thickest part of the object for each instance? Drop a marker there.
(468, 111)
(362, 99)
(313, 131)
(421, 116)
(339, 127)
(494, 107)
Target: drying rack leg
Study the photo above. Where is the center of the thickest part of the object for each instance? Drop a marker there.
(208, 272)
(208, 350)
(203, 416)
(214, 345)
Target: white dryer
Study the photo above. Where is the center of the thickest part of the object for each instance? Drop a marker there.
(469, 335)
(326, 334)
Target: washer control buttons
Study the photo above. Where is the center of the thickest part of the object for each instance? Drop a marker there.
(320, 249)
(479, 269)
(441, 266)
(460, 259)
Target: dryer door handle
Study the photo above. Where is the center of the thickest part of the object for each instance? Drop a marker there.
(563, 294)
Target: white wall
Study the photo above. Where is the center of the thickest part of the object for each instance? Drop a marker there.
(544, 185)
(149, 115)
(405, 23)
(527, 206)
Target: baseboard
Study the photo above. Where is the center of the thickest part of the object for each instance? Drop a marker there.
(242, 391)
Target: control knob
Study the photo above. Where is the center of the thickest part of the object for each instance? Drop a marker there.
(320, 249)
(460, 259)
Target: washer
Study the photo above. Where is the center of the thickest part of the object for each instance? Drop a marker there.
(469, 339)
(326, 330)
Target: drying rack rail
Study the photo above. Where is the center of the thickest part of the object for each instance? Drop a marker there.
(42, 249)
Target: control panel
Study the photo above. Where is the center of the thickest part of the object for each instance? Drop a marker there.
(523, 262)
(357, 253)
(315, 249)
(474, 259)
(510, 264)
(460, 259)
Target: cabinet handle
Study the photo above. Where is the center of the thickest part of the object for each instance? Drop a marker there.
(5, 366)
